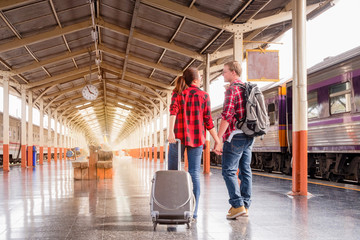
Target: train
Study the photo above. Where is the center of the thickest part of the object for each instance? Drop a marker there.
(333, 122)
(15, 140)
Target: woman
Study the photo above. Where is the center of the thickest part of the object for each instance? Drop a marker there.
(190, 117)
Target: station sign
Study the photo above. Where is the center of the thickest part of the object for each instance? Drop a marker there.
(262, 65)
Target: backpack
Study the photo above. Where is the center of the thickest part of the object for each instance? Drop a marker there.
(256, 119)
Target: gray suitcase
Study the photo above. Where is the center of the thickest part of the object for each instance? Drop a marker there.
(172, 200)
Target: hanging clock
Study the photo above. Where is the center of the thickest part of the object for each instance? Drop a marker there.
(90, 92)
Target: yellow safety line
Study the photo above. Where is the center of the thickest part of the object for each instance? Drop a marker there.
(289, 179)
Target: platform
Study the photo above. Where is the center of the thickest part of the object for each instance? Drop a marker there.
(47, 203)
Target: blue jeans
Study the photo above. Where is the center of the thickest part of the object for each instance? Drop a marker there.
(194, 160)
(237, 155)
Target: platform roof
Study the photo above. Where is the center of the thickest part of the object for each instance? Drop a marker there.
(131, 50)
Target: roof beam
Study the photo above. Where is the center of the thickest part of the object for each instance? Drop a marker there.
(226, 24)
(132, 77)
(157, 66)
(190, 13)
(273, 19)
(60, 78)
(68, 90)
(150, 40)
(44, 36)
(141, 93)
(39, 64)
(6, 4)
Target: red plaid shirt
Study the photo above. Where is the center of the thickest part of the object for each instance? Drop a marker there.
(233, 104)
(193, 115)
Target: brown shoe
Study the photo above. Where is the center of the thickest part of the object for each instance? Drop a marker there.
(246, 213)
(236, 212)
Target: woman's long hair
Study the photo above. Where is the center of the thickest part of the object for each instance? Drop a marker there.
(180, 85)
(184, 81)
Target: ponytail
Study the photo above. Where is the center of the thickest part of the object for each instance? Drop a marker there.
(180, 85)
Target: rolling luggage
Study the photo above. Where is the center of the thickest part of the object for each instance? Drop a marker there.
(172, 200)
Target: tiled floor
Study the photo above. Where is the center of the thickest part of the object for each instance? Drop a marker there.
(46, 203)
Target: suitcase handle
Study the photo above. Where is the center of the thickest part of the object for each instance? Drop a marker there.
(178, 141)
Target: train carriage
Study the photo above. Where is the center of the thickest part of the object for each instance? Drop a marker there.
(334, 117)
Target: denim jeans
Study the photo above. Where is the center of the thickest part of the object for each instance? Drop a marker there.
(194, 160)
(237, 155)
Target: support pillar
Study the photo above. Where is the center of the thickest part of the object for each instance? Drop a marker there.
(238, 47)
(60, 140)
(55, 136)
(155, 134)
(6, 156)
(300, 104)
(23, 127)
(146, 140)
(168, 102)
(151, 139)
(41, 142)
(161, 130)
(30, 130)
(206, 156)
(49, 135)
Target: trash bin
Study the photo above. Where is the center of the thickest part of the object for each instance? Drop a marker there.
(34, 156)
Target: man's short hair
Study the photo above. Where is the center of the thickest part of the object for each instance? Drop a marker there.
(234, 66)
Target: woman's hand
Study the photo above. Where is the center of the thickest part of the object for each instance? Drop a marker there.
(171, 137)
(218, 148)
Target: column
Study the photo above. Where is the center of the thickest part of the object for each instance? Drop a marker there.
(206, 155)
(49, 135)
(147, 139)
(140, 139)
(55, 136)
(168, 101)
(6, 156)
(299, 101)
(161, 116)
(23, 126)
(41, 143)
(151, 131)
(155, 134)
(238, 47)
(143, 138)
(60, 141)
(30, 130)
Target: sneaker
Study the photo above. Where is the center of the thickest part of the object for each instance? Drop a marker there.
(236, 212)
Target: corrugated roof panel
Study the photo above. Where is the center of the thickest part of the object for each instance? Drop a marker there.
(62, 67)
(20, 61)
(119, 14)
(139, 69)
(113, 60)
(35, 75)
(163, 77)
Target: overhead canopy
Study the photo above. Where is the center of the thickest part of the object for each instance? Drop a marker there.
(135, 50)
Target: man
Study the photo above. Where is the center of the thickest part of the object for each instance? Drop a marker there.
(237, 146)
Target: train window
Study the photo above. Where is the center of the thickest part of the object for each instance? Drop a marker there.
(271, 112)
(340, 98)
(313, 106)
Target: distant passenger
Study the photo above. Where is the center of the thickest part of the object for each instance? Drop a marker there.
(237, 146)
(190, 116)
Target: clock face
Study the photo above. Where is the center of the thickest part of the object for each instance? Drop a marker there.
(90, 92)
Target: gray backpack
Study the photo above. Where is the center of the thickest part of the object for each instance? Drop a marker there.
(256, 119)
